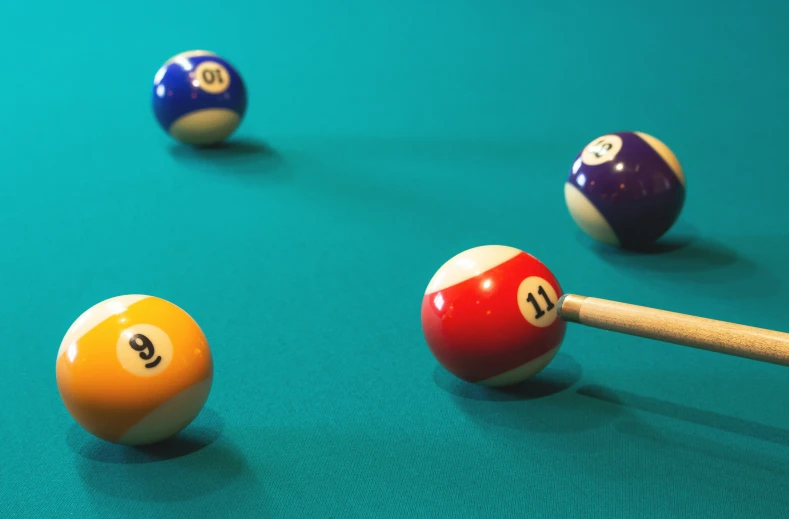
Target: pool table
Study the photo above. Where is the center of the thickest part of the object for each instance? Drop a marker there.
(381, 139)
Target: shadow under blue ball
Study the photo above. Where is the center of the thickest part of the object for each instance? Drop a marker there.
(244, 157)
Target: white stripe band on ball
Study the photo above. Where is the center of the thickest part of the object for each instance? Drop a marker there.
(587, 217)
(95, 315)
(170, 417)
(468, 264)
(523, 372)
(207, 126)
(666, 154)
(182, 59)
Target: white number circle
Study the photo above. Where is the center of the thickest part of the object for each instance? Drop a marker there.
(537, 301)
(211, 77)
(602, 149)
(144, 350)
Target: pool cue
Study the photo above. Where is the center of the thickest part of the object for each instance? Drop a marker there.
(685, 330)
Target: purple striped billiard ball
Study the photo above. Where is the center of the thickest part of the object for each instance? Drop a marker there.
(625, 189)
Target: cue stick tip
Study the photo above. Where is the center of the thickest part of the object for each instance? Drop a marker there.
(568, 308)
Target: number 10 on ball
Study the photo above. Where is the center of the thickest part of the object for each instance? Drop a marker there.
(199, 98)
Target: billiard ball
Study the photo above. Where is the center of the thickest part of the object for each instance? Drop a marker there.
(199, 98)
(489, 315)
(134, 369)
(625, 189)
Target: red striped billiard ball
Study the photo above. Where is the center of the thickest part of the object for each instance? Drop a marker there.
(489, 315)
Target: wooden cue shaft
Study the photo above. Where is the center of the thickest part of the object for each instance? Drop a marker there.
(686, 330)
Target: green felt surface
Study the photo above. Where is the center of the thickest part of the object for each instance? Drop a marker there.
(381, 139)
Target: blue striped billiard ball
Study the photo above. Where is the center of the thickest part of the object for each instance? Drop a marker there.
(199, 98)
(625, 189)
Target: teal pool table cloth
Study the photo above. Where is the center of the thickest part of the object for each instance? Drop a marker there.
(381, 139)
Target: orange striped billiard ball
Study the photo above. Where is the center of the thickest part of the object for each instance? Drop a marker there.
(134, 369)
(489, 315)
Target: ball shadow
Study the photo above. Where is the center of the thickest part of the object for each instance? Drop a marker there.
(202, 432)
(195, 463)
(681, 249)
(701, 262)
(676, 254)
(541, 405)
(241, 156)
(666, 244)
(559, 375)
